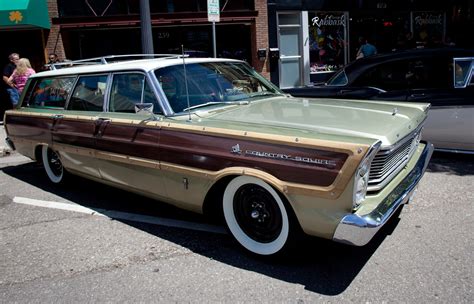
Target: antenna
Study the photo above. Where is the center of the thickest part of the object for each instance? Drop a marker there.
(186, 84)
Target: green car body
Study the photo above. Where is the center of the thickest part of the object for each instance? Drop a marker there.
(270, 164)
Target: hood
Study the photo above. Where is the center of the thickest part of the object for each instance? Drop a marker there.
(326, 118)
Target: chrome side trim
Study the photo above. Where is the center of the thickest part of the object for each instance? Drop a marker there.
(460, 151)
(358, 230)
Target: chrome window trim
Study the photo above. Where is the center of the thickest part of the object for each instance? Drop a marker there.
(160, 94)
(468, 79)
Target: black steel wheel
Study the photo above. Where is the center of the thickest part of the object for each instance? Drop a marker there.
(52, 165)
(256, 215)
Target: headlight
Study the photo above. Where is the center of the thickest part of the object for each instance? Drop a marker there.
(361, 180)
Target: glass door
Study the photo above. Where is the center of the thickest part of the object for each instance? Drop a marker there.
(290, 46)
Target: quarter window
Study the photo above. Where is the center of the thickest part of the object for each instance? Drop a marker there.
(50, 92)
(89, 94)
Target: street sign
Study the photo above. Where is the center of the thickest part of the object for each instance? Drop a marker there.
(213, 11)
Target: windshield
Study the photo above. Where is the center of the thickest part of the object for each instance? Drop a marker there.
(212, 84)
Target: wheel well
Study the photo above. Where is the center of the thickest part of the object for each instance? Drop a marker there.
(38, 151)
(212, 207)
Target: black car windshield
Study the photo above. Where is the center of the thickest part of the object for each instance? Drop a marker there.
(212, 84)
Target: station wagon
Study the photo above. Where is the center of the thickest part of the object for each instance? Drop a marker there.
(214, 137)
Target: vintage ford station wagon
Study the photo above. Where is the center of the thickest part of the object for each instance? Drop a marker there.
(214, 137)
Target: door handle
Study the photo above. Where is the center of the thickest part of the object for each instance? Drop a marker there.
(57, 116)
(100, 124)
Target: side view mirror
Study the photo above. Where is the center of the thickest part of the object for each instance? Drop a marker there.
(144, 108)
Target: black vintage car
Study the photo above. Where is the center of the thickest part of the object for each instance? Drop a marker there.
(442, 77)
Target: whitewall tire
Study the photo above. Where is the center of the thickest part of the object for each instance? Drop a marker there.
(52, 165)
(256, 215)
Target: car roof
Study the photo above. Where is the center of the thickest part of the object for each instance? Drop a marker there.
(144, 65)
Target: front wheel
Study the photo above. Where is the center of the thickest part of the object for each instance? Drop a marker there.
(256, 215)
(52, 165)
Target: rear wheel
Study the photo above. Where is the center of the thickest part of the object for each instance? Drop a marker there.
(256, 215)
(53, 165)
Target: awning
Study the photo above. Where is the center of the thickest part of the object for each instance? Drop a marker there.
(16, 14)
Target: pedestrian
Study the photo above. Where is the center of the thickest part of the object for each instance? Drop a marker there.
(53, 59)
(20, 75)
(366, 49)
(7, 72)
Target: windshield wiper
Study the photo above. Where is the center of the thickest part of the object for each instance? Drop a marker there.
(202, 105)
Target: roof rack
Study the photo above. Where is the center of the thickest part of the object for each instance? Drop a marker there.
(110, 59)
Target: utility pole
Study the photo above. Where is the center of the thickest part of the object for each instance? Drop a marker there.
(147, 36)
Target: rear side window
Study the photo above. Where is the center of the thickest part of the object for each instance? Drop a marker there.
(50, 92)
(89, 94)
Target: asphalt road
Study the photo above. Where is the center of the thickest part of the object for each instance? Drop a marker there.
(50, 255)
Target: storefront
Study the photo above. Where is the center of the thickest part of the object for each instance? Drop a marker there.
(309, 40)
(24, 26)
(90, 29)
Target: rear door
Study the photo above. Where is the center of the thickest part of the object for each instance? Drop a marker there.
(74, 133)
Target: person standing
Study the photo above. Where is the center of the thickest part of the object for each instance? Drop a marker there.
(53, 59)
(7, 72)
(366, 49)
(20, 75)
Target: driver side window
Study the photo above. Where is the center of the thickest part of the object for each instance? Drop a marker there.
(129, 89)
(388, 76)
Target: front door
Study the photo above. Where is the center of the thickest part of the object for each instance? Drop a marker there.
(290, 46)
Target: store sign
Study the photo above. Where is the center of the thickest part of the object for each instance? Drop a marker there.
(213, 11)
(429, 19)
(329, 20)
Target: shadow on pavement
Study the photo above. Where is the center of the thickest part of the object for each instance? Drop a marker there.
(452, 163)
(321, 266)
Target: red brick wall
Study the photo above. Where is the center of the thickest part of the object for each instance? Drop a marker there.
(260, 38)
(53, 39)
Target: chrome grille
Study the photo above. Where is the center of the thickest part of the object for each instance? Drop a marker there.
(391, 160)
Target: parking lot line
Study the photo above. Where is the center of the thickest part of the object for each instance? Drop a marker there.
(118, 215)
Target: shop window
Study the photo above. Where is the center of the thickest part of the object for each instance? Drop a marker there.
(428, 28)
(49, 92)
(328, 32)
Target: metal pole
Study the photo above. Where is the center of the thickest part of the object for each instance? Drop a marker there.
(214, 39)
(147, 36)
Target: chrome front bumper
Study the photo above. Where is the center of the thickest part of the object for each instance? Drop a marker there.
(358, 230)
